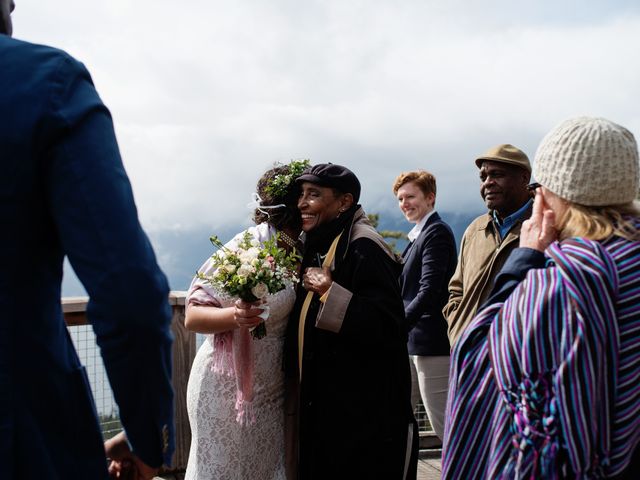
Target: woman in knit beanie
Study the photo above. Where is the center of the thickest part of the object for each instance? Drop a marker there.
(545, 382)
(588, 169)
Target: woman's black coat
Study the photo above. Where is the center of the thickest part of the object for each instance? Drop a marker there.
(355, 417)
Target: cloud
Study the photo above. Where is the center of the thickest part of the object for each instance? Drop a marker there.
(207, 95)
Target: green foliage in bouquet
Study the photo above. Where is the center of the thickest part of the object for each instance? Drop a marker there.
(252, 270)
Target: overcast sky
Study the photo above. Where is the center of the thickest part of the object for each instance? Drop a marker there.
(207, 94)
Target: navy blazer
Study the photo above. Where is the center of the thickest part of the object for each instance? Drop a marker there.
(429, 263)
(64, 191)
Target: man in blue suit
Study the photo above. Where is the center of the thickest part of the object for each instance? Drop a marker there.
(64, 191)
(429, 262)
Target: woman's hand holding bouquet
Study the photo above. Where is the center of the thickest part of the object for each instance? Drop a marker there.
(250, 272)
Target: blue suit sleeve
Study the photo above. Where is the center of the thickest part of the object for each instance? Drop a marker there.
(95, 215)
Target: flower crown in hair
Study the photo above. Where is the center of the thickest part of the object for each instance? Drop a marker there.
(279, 185)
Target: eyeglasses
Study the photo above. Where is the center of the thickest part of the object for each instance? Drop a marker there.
(532, 186)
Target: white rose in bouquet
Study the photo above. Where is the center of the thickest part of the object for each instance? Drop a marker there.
(260, 290)
(245, 270)
(248, 256)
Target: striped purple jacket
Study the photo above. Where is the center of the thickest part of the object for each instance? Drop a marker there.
(547, 384)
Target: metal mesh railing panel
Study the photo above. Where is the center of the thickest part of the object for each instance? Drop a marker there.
(422, 418)
(85, 342)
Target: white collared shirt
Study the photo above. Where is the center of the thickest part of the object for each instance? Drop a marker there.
(415, 231)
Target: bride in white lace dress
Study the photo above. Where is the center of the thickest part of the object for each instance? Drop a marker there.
(227, 443)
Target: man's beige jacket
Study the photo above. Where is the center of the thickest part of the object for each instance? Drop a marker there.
(482, 255)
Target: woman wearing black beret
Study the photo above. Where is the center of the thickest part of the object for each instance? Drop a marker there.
(346, 341)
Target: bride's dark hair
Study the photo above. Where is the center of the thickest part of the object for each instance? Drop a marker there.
(277, 186)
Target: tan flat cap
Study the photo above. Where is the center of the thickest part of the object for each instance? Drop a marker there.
(506, 153)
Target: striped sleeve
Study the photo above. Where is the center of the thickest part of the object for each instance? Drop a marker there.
(541, 378)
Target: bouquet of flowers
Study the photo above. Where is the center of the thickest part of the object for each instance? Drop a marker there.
(252, 270)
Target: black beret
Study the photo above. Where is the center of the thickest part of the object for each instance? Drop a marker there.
(334, 176)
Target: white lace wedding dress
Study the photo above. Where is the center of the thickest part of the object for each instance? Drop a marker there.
(221, 448)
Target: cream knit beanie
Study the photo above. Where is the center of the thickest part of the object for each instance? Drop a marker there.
(589, 161)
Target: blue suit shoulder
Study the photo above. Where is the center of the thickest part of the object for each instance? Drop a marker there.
(39, 77)
(437, 226)
(22, 54)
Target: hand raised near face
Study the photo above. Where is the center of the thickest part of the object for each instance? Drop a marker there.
(539, 231)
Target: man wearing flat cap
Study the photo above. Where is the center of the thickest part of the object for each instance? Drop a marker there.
(504, 175)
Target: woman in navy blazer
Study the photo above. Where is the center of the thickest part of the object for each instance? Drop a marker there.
(429, 262)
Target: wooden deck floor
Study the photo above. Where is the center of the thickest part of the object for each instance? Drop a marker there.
(429, 468)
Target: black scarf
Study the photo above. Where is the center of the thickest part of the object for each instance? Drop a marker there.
(317, 242)
(319, 239)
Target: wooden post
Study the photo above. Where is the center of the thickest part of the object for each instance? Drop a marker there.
(75, 310)
(184, 351)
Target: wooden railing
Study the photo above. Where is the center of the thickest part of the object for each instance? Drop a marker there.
(184, 351)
